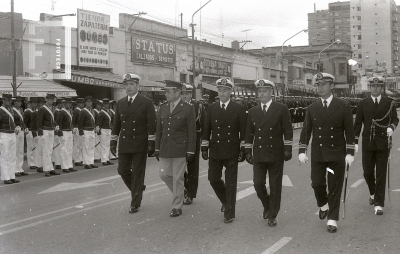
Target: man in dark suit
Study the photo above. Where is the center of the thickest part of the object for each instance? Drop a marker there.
(226, 120)
(192, 174)
(379, 116)
(269, 134)
(330, 122)
(175, 142)
(135, 127)
(86, 126)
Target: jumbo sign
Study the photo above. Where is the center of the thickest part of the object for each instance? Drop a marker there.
(147, 50)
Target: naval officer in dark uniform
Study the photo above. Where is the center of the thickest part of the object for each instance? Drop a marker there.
(269, 134)
(379, 116)
(134, 127)
(330, 122)
(226, 120)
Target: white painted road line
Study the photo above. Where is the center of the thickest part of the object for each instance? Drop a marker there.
(279, 244)
(244, 193)
(357, 183)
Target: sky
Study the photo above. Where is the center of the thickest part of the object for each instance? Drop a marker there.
(268, 23)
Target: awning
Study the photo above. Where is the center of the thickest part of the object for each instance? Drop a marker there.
(209, 87)
(35, 87)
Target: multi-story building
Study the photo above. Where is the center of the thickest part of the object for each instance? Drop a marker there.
(319, 28)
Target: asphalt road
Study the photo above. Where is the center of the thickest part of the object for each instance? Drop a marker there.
(87, 212)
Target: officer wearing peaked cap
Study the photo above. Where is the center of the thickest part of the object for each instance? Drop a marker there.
(330, 122)
(226, 120)
(269, 137)
(175, 142)
(379, 116)
(134, 127)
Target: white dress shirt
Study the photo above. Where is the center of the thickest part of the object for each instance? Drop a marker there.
(328, 101)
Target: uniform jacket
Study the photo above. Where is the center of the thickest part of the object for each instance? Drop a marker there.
(103, 121)
(64, 121)
(86, 121)
(45, 120)
(200, 116)
(332, 131)
(176, 131)
(134, 125)
(33, 126)
(7, 124)
(224, 131)
(269, 134)
(75, 116)
(19, 118)
(366, 112)
(28, 118)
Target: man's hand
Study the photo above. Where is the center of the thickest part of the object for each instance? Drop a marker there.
(356, 148)
(57, 128)
(157, 154)
(349, 159)
(97, 129)
(303, 158)
(204, 154)
(389, 132)
(113, 150)
(288, 155)
(150, 149)
(75, 130)
(189, 158)
(249, 158)
(241, 157)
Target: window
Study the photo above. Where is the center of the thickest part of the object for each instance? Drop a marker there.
(359, 37)
(360, 65)
(359, 56)
(359, 18)
(359, 27)
(309, 81)
(359, 8)
(182, 78)
(359, 46)
(342, 68)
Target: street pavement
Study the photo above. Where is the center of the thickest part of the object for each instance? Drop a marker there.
(87, 212)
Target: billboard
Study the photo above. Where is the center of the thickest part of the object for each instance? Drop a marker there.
(93, 39)
(215, 67)
(146, 50)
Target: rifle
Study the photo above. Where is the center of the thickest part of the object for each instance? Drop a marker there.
(97, 144)
(55, 146)
(345, 190)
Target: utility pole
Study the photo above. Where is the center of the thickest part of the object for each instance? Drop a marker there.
(181, 20)
(14, 79)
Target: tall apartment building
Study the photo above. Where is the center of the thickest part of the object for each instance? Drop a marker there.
(374, 34)
(327, 26)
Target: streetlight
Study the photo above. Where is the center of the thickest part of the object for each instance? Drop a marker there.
(194, 60)
(284, 86)
(319, 55)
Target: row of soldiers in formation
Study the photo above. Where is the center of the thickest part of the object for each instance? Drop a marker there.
(263, 137)
(56, 135)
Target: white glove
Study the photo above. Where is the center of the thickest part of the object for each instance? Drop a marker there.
(57, 128)
(349, 159)
(303, 158)
(389, 132)
(97, 128)
(17, 129)
(75, 130)
(356, 148)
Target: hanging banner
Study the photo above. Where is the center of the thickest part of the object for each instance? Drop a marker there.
(146, 50)
(215, 67)
(93, 39)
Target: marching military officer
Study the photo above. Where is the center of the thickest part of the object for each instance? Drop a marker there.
(64, 121)
(226, 120)
(46, 126)
(77, 152)
(103, 123)
(112, 112)
(175, 142)
(269, 134)
(192, 174)
(97, 147)
(19, 137)
(135, 127)
(87, 129)
(37, 150)
(8, 129)
(31, 105)
(56, 157)
(379, 116)
(330, 122)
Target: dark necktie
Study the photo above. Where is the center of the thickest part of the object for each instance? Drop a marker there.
(376, 102)
(130, 101)
(325, 105)
(265, 108)
(223, 107)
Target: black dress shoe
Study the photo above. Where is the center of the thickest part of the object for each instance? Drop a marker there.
(8, 182)
(33, 167)
(272, 222)
(93, 166)
(113, 159)
(53, 172)
(265, 214)
(175, 212)
(24, 173)
(332, 229)
(47, 174)
(17, 174)
(97, 160)
(110, 163)
(377, 212)
(72, 170)
(323, 214)
(223, 208)
(66, 171)
(133, 209)
(78, 164)
(228, 220)
(188, 201)
(105, 163)
(58, 166)
(371, 201)
(88, 167)
(40, 169)
(14, 180)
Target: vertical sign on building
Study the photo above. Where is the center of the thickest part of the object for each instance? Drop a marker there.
(93, 39)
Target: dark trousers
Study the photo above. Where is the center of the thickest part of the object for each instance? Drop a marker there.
(192, 174)
(271, 202)
(226, 192)
(132, 167)
(335, 184)
(376, 182)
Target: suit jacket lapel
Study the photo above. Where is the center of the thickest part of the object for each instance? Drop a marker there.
(320, 110)
(269, 113)
(135, 103)
(225, 115)
(371, 105)
(177, 108)
(381, 105)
